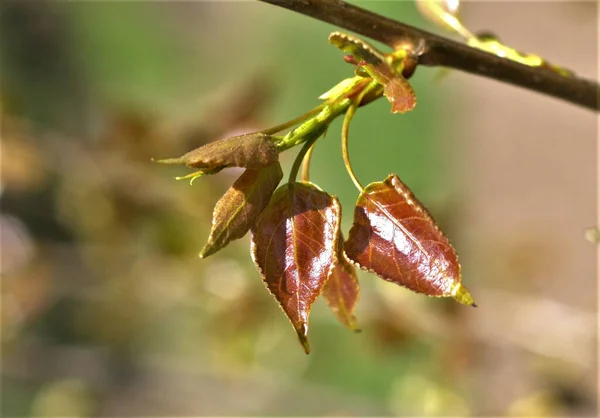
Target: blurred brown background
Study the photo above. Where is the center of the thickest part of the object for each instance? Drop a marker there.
(106, 309)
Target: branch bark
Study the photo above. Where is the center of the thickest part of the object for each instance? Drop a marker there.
(439, 51)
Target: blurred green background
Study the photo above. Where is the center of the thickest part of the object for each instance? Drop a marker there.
(106, 309)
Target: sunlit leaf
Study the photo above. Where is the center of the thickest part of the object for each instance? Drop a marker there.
(397, 89)
(358, 48)
(341, 290)
(253, 150)
(294, 243)
(490, 43)
(445, 14)
(342, 88)
(239, 207)
(395, 237)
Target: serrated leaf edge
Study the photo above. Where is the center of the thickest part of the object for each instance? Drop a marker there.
(303, 333)
(204, 252)
(353, 323)
(411, 200)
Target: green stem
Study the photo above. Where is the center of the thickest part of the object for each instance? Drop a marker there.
(314, 127)
(305, 176)
(345, 154)
(346, 128)
(300, 157)
(294, 121)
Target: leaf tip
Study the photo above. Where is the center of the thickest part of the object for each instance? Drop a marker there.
(207, 250)
(178, 160)
(462, 295)
(353, 324)
(303, 337)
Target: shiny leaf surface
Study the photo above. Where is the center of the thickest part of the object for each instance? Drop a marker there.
(294, 243)
(395, 237)
(342, 290)
(239, 207)
(253, 150)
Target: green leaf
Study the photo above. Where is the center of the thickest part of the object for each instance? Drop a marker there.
(342, 89)
(239, 207)
(397, 89)
(294, 247)
(445, 14)
(358, 48)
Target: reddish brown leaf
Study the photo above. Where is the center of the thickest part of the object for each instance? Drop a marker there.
(400, 94)
(239, 207)
(342, 289)
(294, 243)
(395, 237)
(396, 88)
(253, 150)
(368, 59)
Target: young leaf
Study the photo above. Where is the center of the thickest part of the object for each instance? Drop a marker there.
(239, 207)
(342, 89)
(445, 14)
(294, 242)
(342, 289)
(490, 43)
(395, 237)
(400, 94)
(397, 89)
(358, 48)
(253, 150)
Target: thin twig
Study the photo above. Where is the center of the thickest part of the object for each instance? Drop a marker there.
(439, 51)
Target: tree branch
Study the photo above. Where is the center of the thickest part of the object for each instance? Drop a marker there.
(439, 51)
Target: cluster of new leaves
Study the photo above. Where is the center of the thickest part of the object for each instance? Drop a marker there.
(446, 14)
(296, 242)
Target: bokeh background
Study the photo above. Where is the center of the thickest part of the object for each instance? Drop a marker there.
(106, 308)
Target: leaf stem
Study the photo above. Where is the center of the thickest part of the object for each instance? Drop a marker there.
(315, 127)
(294, 121)
(306, 149)
(346, 127)
(305, 175)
